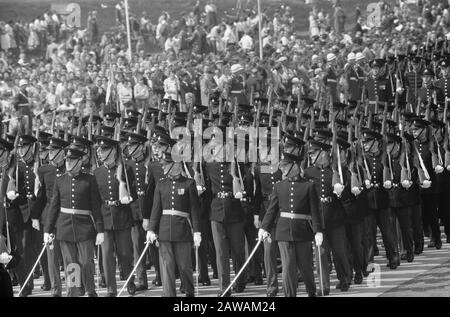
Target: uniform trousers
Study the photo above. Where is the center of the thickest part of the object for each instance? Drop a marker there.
(385, 221)
(355, 245)
(81, 253)
(21, 268)
(404, 220)
(53, 258)
(334, 240)
(442, 200)
(171, 255)
(118, 241)
(138, 236)
(6, 288)
(251, 234)
(229, 236)
(430, 215)
(154, 257)
(204, 250)
(415, 215)
(296, 255)
(270, 263)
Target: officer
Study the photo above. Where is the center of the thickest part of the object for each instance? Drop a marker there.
(138, 154)
(116, 213)
(321, 174)
(75, 218)
(175, 220)
(294, 202)
(47, 174)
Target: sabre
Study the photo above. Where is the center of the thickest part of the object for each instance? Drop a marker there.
(244, 266)
(34, 266)
(197, 271)
(320, 270)
(134, 269)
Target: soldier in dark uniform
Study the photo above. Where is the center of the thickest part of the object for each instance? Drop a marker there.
(331, 78)
(377, 86)
(116, 214)
(444, 82)
(24, 200)
(419, 130)
(237, 85)
(428, 93)
(174, 220)
(294, 202)
(137, 153)
(321, 173)
(47, 176)
(413, 81)
(267, 174)
(378, 201)
(75, 218)
(227, 221)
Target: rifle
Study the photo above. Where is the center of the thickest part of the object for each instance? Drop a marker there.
(446, 137)
(124, 187)
(387, 168)
(36, 164)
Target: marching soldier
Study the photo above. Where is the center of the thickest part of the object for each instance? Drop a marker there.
(321, 173)
(378, 89)
(75, 220)
(47, 176)
(331, 78)
(428, 93)
(444, 82)
(294, 202)
(413, 81)
(174, 220)
(116, 213)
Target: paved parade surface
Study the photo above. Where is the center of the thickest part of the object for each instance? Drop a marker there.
(428, 275)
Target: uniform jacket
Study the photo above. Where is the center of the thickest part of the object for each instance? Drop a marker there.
(266, 177)
(377, 196)
(178, 193)
(293, 195)
(75, 192)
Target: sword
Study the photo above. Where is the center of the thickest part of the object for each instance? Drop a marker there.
(320, 270)
(34, 266)
(243, 267)
(197, 273)
(134, 269)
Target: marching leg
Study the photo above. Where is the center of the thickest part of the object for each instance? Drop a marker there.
(289, 268)
(167, 261)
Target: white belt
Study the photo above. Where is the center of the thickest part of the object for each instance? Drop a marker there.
(176, 213)
(76, 211)
(236, 91)
(294, 216)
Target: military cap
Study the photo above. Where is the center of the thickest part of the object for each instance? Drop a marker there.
(371, 134)
(392, 137)
(343, 144)
(105, 142)
(291, 140)
(322, 134)
(133, 113)
(317, 145)
(164, 139)
(72, 153)
(245, 108)
(152, 112)
(26, 139)
(130, 122)
(420, 123)
(308, 101)
(56, 143)
(166, 101)
(245, 118)
(416, 59)
(179, 121)
(5, 145)
(107, 131)
(378, 62)
(263, 100)
(290, 158)
(199, 108)
(95, 118)
(80, 141)
(44, 136)
(134, 138)
(444, 63)
(428, 72)
(111, 116)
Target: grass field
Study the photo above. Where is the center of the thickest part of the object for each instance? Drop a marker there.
(27, 10)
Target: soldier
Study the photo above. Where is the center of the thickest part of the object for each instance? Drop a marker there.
(116, 213)
(75, 220)
(354, 91)
(378, 199)
(227, 218)
(237, 84)
(377, 86)
(174, 220)
(47, 176)
(428, 93)
(137, 153)
(294, 202)
(413, 81)
(444, 82)
(321, 173)
(331, 78)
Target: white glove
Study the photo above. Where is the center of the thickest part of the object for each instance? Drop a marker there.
(400, 90)
(319, 238)
(200, 189)
(448, 167)
(256, 221)
(438, 169)
(387, 184)
(426, 184)
(262, 234)
(12, 195)
(368, 184)
(146, 224)
(100, 238)
(197, 239)
(356, 190)
(238, 195)
(126, 200)
(35, 224)
(151, 236)
(48, 238)
(338, 188)
(406, 184)
(5, 258)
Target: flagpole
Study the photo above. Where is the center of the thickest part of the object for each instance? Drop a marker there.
(260, 27)
(128, 30)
